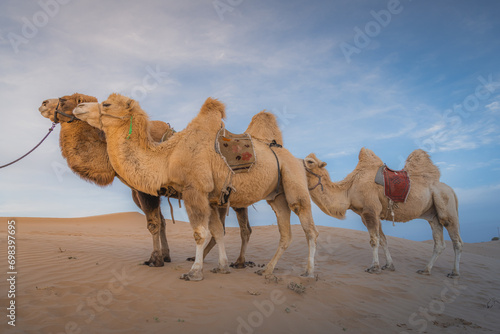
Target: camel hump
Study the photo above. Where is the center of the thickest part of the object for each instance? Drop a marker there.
(264, 126)
(367, 157)
(212, 106)
(419, 163)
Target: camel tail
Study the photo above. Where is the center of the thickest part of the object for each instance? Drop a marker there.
(419, 164)
(213, 106)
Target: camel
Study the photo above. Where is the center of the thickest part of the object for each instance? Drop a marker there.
(84, 148)
(188, 163)
(428, 199)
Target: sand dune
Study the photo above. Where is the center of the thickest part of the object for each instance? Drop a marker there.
(85, 275)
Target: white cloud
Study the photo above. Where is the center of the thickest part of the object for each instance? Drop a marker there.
(493, 107)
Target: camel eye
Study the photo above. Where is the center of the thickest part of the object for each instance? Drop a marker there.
(106, 105)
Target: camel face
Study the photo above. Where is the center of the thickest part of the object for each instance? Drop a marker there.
(88, 112)
(312, 162)
(109, 113)
(48, 107)
(315, 169)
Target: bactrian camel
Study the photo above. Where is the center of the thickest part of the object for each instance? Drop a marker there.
(188, 163)
(84, 148)
(428, 199)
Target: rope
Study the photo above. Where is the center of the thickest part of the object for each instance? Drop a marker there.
(34, 148)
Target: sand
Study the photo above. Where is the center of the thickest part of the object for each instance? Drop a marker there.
(85, 275)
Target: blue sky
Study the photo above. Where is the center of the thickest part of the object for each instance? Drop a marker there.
(392, 76)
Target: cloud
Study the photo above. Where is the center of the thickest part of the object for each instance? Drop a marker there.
(493, 107)
(478, 195)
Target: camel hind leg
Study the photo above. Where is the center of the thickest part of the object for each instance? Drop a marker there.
(282, 211)
(299, 201)
(446, 204)
(439, 245)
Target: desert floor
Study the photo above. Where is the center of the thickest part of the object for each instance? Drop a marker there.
(85, 275)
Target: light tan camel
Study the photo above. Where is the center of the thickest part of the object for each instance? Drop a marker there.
(188, 163)
(84, 148)
(428, 199)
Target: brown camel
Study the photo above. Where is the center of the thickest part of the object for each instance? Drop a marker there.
(188, 163)
(84, 148)
(428, 199)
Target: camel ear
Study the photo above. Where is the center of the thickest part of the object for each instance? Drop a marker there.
(311, 163)
(130, 104)
(322, 164)
(79, 100)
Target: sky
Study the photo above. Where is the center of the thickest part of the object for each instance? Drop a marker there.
(392, 76)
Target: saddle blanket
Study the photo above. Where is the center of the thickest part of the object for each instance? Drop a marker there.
(236, 149)
(396, 183)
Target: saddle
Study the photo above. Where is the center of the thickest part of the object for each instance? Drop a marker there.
(396, 183)
(236, 150)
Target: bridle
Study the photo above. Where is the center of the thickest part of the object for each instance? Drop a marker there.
(57, 111)
(318, 176)
(114, 116)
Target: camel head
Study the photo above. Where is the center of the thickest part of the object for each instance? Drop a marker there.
(315, 172)
(313, 163)
(328, 197)
(64, 111)
(113, 112)
(48, 107)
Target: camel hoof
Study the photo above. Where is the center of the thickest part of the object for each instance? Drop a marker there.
(155, 260)
(167, 258)
(390, 268)
(453, 275)
(307, 274)
(190, 259)
(373, 270)
(192, 276)
(263, 272)
(424, 272)
(221, 270)
(241, 265)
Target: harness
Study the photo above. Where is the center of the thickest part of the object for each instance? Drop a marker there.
(114, 116)
(57, 111)
(318, 176)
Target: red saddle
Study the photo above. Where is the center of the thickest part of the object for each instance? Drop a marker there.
(396, 183)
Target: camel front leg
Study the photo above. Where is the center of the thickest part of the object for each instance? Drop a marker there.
(389, 265)
(245, 232)
(150, 205)
(372, 223)
(198, 210)
(217, 230)
(165, 250)
(282, 211)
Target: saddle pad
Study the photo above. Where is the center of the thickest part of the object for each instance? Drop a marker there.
(236, 149)
(396, 184)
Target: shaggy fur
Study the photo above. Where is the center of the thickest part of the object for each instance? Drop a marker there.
(84, 148)
(188, 163)
(428, 199)
(259, 128)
